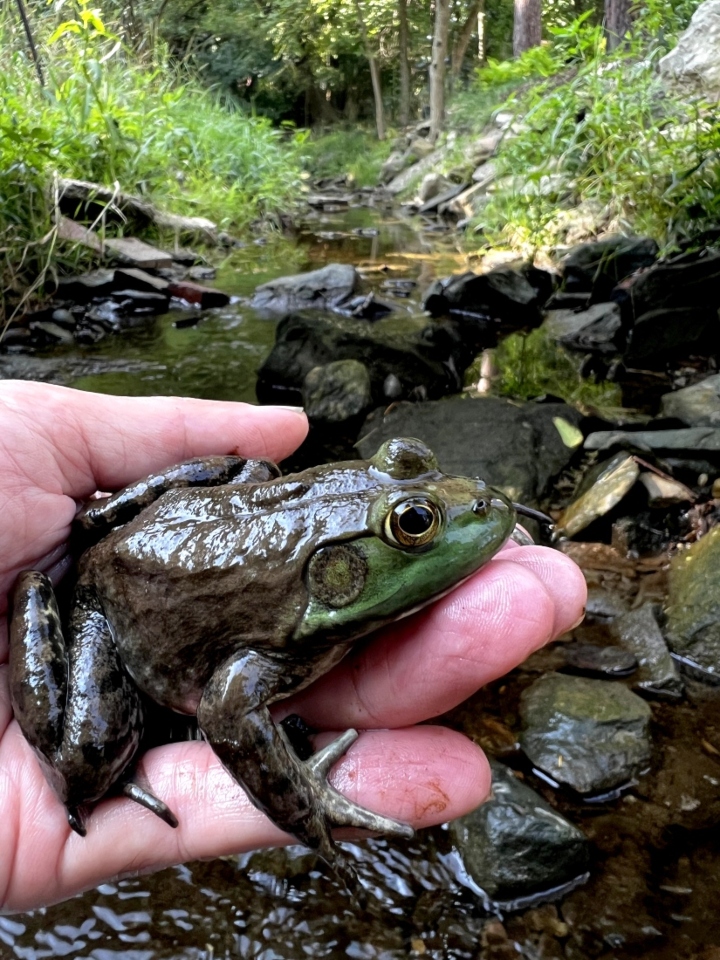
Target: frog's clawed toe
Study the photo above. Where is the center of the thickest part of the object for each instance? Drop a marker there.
(150, 802)
(340, 811)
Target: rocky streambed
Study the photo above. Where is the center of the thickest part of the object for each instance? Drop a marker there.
(601, 839)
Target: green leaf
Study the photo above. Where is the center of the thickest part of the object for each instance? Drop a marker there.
(569, 434)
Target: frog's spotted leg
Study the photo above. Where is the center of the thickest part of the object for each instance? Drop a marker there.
(295, 794)
(74, 701)
(99, 516)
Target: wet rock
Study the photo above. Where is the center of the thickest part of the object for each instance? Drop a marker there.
(319, 289)
(132, 278)
(664, 491)
(638, 632)
(442, 198)
(694, 65)
(47, 331)
(516, 448)
(201, 272)
(422, 363)
(432, 185)
(87, 286)
(660, 335)
(602, 334)
(145, 301)
(503, 294)
(693, 439)
(688, 281)
(693, 606)
(562, 300)
(515, 844)
(365, 307)
(597, 267)
(204, 297)
(590, 734)
(696, 406)
(64, 318)
(337, 391)
(603, 488)
(562, 322)
(593, 660)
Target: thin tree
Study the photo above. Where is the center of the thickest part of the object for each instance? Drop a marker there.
(618, 21)
(404, 43)
(374, 74)
(527, 25)
(437, 67)
(463, 38)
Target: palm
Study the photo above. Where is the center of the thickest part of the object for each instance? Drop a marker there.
(60, 446)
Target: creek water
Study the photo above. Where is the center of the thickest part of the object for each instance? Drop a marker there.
(653, 885)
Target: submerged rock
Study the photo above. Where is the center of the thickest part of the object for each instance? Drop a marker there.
(337, 391)
(516, 448)
(604, 487)
(590, 734)
(696, 406)
(515, 844)
(638, 632)
(320, 289)
(693, 606)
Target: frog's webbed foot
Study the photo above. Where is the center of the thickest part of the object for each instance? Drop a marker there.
(146, 799)
(340, 811)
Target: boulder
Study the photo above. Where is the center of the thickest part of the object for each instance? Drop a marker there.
(696, 406)
(443, 198)
(592, 735)
(687, 281)
(515, 447)
(424, 360)
(409, 174)
(670, 333)
(597, 267)
(690, 440)
(692, 611)
(319, 289)
(568, 322)
(602, 334)
(395, 163)
(467, 204)
(502, 294)
(639, 633)
(694, 64)
(516, 844)
(337, 391)
(432, 184)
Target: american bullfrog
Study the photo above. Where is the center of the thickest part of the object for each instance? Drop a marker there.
(219, 587)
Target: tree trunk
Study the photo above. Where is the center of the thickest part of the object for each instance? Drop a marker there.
(617, 22)
(374, 74)
(481, 34)
(437, 67)
(404, 65)
(463, 39)
(527, 28)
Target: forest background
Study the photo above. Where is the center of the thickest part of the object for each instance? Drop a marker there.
(227, 109)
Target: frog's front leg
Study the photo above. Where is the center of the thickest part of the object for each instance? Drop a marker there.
(101, 515)
(293, 793)
(75, 702)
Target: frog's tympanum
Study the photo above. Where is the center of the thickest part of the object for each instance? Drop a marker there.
(217, 588)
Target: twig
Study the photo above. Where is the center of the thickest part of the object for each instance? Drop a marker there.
(31, 41)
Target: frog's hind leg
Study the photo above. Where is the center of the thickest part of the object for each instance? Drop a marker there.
(294, 793)
(75, 702)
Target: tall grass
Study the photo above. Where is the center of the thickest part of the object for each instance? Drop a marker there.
(104, 116)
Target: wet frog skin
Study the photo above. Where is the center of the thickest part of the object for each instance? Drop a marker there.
(219, 587)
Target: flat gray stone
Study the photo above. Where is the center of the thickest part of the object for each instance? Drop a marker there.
(697, 406)
(590, 734)
(318, 289)
(692, 439)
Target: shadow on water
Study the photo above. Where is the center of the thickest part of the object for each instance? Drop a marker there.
(653, 886)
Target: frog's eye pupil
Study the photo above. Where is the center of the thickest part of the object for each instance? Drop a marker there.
(413, 523)
(480, 507)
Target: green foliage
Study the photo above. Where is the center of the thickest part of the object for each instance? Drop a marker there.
(605, 130)
(106, 117)
(355, 153)
(532, 364)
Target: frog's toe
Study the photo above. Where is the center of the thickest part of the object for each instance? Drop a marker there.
(340, 811)
(150, 802)
(77, 818)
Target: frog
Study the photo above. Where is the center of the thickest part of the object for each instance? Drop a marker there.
(218, 587)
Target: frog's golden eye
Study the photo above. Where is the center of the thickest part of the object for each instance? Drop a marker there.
(413, 523)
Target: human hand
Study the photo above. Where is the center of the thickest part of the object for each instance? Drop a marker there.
(57, 447)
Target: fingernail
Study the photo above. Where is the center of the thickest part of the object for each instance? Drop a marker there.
(282, 406)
